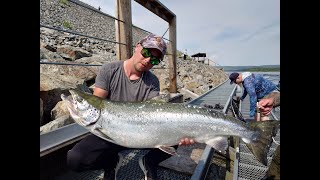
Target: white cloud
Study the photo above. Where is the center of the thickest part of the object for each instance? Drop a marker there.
(232, 32)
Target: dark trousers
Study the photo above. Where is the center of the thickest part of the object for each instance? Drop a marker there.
(93, 153)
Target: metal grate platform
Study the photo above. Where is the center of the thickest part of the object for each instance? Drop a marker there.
(249, 166)
(129, 169)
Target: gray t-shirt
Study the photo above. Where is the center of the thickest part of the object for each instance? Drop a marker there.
(112, 77)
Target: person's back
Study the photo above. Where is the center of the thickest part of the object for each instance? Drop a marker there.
(255, 85)
(258, 84)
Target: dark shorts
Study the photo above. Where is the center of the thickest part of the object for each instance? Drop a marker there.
(93, 153)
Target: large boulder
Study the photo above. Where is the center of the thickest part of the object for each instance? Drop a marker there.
(57, 123)
(59, 110)
(72, 53)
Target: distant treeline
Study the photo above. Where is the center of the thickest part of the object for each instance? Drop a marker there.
(260, 69)
(263, 68)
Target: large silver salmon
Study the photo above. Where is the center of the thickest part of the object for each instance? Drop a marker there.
(162, 125)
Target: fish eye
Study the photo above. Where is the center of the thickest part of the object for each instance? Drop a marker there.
(79, 99)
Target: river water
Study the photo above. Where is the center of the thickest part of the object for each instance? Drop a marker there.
(272, 76)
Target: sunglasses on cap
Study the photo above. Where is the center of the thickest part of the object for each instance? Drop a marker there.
(153, 60)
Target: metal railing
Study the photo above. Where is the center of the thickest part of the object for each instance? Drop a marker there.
(61, 137)
(75, 64)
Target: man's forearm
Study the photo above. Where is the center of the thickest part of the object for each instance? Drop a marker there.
(276, 98)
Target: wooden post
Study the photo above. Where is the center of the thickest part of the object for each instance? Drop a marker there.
(172, 56)
(123, 29)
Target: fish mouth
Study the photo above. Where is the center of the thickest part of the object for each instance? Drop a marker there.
(65, 98)
(73, 94)
(70, 103)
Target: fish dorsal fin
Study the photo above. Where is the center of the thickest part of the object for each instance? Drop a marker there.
(168, 149)
(100, 132)
(219, 143)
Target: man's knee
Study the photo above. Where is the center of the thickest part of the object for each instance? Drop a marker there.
(74, 160)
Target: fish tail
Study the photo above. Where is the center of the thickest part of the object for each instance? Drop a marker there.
(262, 138)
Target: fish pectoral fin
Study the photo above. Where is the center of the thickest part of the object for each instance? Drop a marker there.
(102, 134)
(219, 143)
(168, 149)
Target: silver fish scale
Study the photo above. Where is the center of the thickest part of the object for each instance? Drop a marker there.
(131, 130)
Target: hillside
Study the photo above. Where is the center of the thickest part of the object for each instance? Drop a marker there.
(262, 68)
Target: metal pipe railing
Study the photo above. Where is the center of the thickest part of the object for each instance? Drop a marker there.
(229, 100)
(74, 64)
(236, 163)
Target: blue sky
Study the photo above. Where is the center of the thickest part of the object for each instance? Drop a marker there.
(231, 32)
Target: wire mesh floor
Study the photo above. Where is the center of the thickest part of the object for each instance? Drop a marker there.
(129, 169)
(249, 166)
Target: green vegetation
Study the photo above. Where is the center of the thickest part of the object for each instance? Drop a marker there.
(180, 55)
(66, 24)
(65, 2)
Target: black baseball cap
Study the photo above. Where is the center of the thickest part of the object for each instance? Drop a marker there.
(233, 77)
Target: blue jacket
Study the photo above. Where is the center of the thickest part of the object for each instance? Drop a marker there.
(257, 87)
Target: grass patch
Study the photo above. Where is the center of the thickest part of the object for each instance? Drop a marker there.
(66, 24)
(65, 2)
